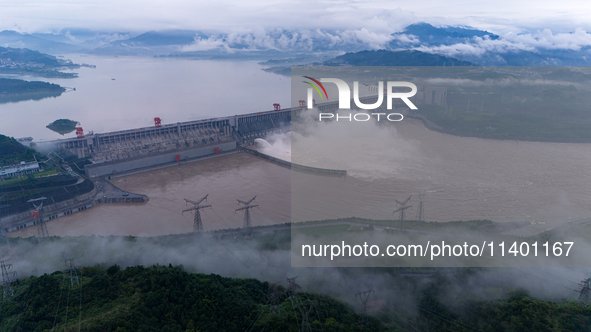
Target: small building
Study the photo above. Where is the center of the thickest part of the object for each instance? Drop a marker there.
(22, 169)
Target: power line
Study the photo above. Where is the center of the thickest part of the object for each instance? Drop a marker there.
(449, 319)
(246, 243)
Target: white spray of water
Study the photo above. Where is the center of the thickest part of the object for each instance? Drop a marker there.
(276, 145)
(366, 150)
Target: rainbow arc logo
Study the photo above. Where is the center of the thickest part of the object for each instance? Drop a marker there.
(315, 87)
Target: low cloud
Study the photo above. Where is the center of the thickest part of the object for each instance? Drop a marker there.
(202, 44)
(533, 42)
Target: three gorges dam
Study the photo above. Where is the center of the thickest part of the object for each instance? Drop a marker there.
(135, 150)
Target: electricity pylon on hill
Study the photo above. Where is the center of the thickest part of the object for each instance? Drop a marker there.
(71, 269)
(363, 298)
(585, 292)
(8, 278)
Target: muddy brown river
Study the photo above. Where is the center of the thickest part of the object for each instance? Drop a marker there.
(463, 179)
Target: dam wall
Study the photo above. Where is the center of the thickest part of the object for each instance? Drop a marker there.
(114, 168)
(147, 141)
(295, 166)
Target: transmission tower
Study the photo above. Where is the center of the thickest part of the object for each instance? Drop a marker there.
(7, 278)
(363, 298)
(305, 308)
(274, 298)
(402, 207)
(42, 231)
(293, 287)
(197, 224)
(420, 210)
(2, 234)
(71, 269)
(246, 208)
(585, 292)
(401, 211)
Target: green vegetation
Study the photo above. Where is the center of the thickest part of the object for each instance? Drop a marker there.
(7, 183)
(12, 152)
(63, 126)
(14, 90)
(53, 183)
(164, 299)
(23, 55)
(515, 311)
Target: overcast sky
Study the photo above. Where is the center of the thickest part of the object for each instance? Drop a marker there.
(499, 16)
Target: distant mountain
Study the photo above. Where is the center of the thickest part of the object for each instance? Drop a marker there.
(20, 55)
(467, 44)
(39, 42)
(163, 38)
(151, 43)
(485, 48)
(426, 34)
(390, 58)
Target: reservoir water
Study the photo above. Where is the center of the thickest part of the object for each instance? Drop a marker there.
(128, 92)
(463, 178)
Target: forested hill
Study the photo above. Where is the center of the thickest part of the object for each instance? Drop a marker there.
(13, 152)
(14, 90)
(22, 61)
(23, 55)
(167, 299)
(390, 58)
(13, 86)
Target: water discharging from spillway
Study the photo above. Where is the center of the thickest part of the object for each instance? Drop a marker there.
(276, 145)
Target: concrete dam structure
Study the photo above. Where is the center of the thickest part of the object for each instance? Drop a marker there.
(123, 151)
(120, 145)
(134, 150)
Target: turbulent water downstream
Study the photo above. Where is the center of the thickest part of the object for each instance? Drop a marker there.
(464, 178)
